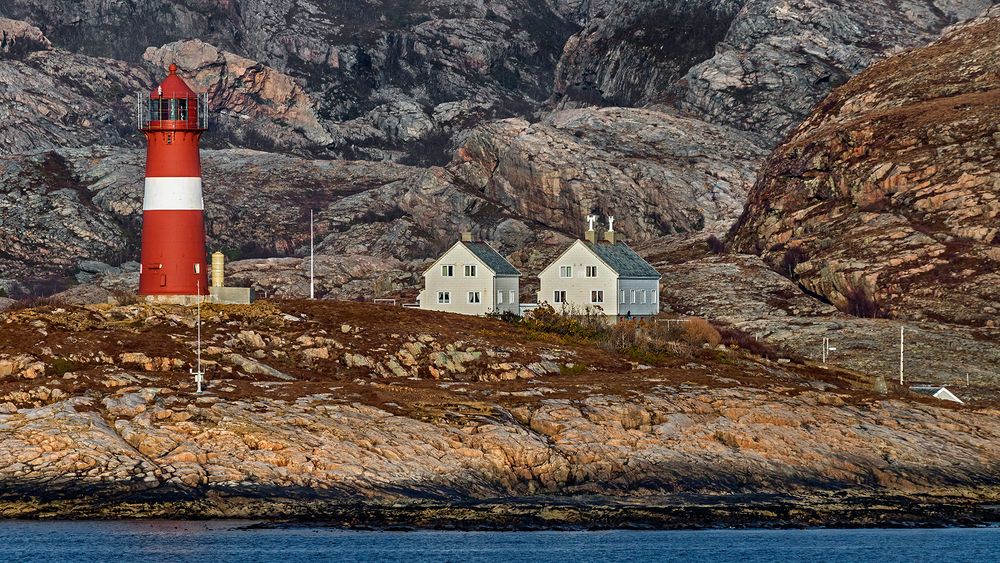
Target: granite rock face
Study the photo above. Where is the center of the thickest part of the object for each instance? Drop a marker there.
(657, 171)
(886, 199)
(18, 38)
(241, 89)
(631, 52)
(350, 58)
(52, 99)
(755, 65)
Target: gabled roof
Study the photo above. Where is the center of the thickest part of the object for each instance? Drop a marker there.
(491, 258)
(936, 391)
(623, 260)
(485, 253)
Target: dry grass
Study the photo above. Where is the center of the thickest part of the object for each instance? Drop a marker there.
(698, 332)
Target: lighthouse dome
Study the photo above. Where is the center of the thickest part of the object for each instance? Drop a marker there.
(173, 106)
(173, 86)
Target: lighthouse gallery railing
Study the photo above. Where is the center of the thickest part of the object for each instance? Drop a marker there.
(172, 113)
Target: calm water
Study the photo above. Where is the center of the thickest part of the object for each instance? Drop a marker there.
(218, 542)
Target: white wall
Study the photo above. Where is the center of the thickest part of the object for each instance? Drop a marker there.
(511, 287)
(578, 288)
(638, 308)
(459, 285)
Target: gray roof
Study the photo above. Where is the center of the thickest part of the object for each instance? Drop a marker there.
(492, 258)
(623, 260)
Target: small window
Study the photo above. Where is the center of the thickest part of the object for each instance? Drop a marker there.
(652, 297)
(558, 296)
(644, 296)
(591, 271)
(633, 296)
(444, 297)
(513, 296)
(470, 270)
(500, 297)
(197, 268)
(447, 271)
(597, 296)
(623, 296)
(475, 296)
(565, 271)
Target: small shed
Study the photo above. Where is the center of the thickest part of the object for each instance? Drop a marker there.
(938, 392)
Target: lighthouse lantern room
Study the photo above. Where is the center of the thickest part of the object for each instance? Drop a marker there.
(173, 117)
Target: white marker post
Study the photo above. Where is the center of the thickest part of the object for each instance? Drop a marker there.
(312, 258)
(900, 355)
(199, 375)
(827, 349)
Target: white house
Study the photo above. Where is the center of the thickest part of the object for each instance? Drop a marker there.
(471, 278)
(601, 273)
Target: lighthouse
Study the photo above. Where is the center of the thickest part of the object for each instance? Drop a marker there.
(172, 118)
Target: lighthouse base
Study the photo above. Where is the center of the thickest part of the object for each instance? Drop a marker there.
(218, 295)
(177, 299)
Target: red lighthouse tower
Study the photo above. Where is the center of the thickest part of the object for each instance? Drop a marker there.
(173, 119)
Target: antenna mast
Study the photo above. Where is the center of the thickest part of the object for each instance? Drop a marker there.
(312, 259)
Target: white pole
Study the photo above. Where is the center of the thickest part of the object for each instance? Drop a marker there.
(900, 355)
(312, 259)
(199, 375)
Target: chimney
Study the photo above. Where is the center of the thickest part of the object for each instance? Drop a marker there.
(466, 236)
(591, 235)
(610, 234)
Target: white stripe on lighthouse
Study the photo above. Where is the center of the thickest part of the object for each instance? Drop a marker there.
(172, 193)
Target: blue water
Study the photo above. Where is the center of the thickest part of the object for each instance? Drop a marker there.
(221, 541)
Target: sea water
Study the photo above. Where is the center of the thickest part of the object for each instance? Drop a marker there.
(223, 541)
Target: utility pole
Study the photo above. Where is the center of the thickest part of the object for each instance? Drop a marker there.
(312, 258)
(900, 355)
(199, 375)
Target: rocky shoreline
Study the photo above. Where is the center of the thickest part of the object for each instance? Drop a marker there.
(285, 509)
(414, 419)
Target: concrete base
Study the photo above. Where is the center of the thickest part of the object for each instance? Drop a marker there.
(219, 295)
(176, 299)
(231, 295)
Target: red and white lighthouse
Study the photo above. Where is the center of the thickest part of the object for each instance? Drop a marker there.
(173, 119)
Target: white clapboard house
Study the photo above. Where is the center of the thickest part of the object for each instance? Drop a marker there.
(601, 273)
(471, 278)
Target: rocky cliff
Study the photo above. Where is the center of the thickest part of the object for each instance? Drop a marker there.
(318, 409)
(756, 65)
(439, 116)
(885, 201)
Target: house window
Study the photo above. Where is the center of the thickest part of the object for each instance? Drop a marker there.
(565, 271)
(633, 296)
(597, 296)
(652, 297)
(591, 271)
(448, 270)
(513, 296)
(470, 270)
(500, 298)
(475, 297)
(623, 296)
(444, 297)
(644, 296)
(558, 296)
